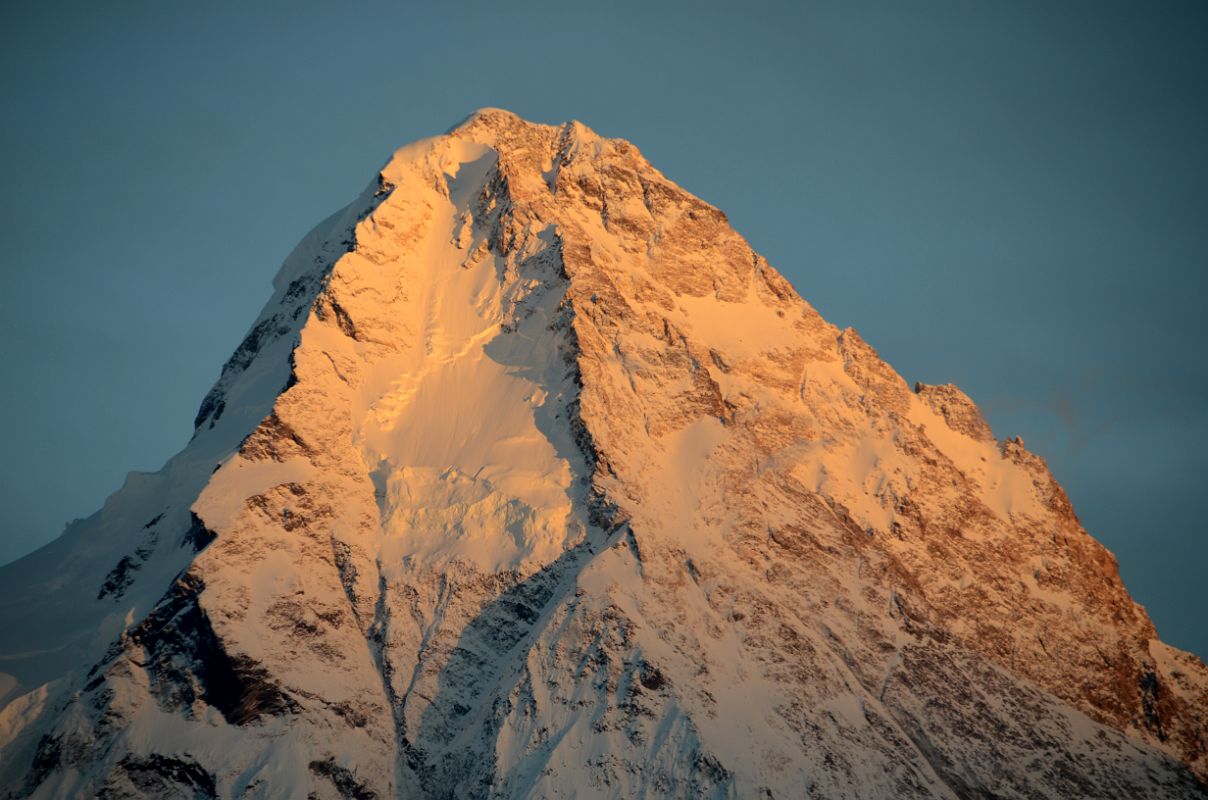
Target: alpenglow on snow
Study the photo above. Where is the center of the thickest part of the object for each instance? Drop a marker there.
(533, 480)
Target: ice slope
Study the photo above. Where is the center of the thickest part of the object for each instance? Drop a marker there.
(533, 480)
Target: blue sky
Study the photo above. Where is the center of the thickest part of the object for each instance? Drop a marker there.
(1010, 196)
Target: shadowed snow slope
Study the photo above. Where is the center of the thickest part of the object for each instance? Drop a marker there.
(533, 480)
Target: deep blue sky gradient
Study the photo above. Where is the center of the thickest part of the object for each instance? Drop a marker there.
(1008, 196)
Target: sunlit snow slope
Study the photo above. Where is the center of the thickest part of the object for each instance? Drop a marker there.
(533, 480)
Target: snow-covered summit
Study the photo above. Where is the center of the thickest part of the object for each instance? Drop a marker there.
(533, 479)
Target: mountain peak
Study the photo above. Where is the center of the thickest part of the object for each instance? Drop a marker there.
(531, 479)
(500, 119)
(488, 116)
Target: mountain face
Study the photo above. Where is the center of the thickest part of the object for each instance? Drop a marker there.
(533, 480)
